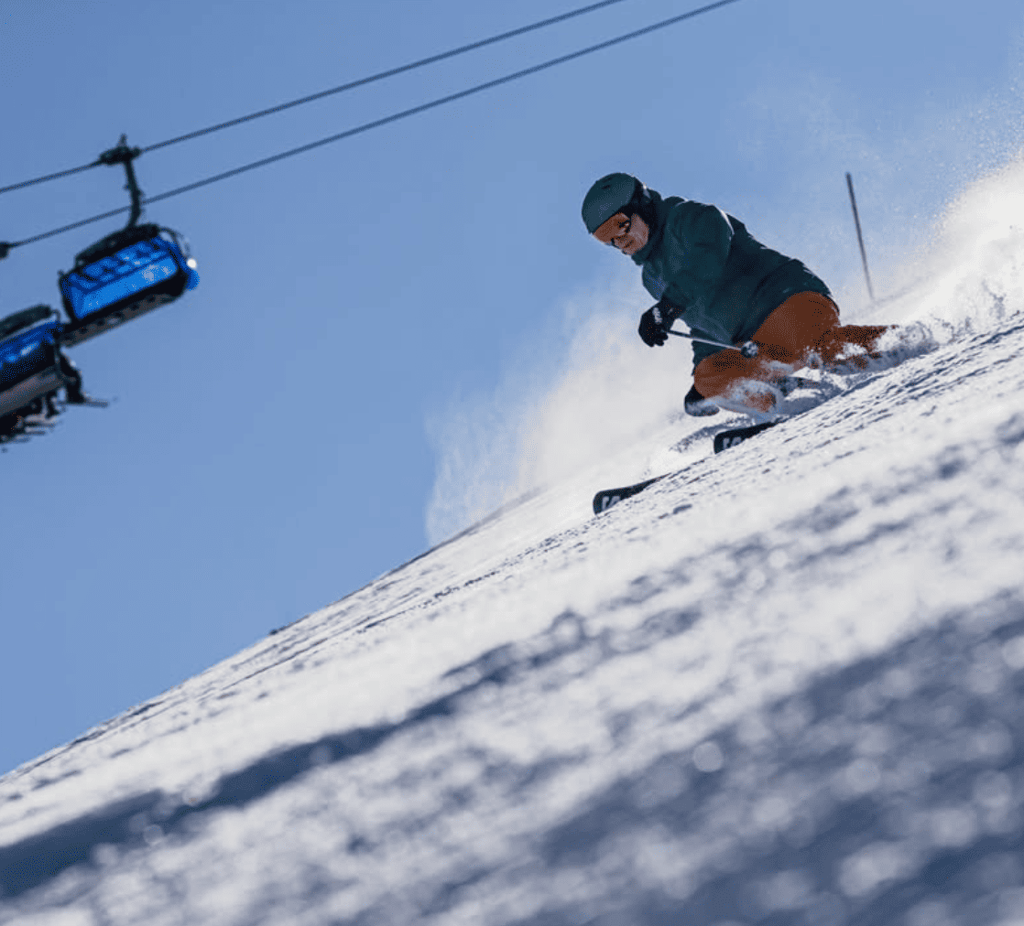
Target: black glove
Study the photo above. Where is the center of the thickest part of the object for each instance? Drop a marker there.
(654, 324)
(696, 405)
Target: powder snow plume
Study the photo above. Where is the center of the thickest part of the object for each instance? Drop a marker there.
(550, 419)
(972, 271)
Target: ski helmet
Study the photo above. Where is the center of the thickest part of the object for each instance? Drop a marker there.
(612, 194)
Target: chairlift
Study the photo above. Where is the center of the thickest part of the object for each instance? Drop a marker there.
(33, 370)
(126, 274)
(120, 277)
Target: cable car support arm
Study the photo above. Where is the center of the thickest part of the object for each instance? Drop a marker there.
(122, 154)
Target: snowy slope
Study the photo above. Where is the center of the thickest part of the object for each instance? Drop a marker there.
(782, 686)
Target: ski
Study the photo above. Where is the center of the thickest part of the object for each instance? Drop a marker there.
(735, 436)
(723, 440)
(916, 342)
(608, 497)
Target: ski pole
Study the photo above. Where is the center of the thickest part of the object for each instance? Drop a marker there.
(748, 350)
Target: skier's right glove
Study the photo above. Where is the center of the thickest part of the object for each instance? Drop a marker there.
(654, 325)
(695, 404)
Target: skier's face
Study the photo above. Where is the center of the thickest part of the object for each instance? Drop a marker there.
(627, 233)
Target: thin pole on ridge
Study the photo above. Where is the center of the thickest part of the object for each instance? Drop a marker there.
(860, 236)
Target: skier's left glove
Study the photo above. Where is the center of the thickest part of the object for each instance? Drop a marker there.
(695, 404)
(654, 325)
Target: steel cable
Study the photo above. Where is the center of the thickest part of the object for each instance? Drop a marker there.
(361, 82)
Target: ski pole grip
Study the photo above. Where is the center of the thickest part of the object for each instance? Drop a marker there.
(749, 350)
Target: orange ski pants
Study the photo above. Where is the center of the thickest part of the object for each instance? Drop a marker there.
(803, 329)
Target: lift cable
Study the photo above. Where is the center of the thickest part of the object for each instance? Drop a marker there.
(362, 82)
(47, 177)
(395, 117)
(433, 59)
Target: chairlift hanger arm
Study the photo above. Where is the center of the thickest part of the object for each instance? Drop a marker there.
(122, 154)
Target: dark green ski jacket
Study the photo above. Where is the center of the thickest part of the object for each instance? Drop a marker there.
(720, 280)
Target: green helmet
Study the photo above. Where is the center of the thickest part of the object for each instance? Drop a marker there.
(609, 195)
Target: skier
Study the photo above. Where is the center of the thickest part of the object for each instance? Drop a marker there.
(704, 267)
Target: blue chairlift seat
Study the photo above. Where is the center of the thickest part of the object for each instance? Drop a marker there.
(123, 276)
(30, 363)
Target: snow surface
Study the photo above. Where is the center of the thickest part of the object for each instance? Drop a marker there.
(781, 686)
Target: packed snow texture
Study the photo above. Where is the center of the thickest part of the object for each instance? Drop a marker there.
(779, 687)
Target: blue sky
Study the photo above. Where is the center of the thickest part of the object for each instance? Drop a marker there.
(276, 433)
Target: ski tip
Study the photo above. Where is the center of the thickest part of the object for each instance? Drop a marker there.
(608, 497)
(736, 436)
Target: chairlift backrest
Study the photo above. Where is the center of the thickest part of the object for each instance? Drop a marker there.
(23, 319)
(124, 275)
(28, 350)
